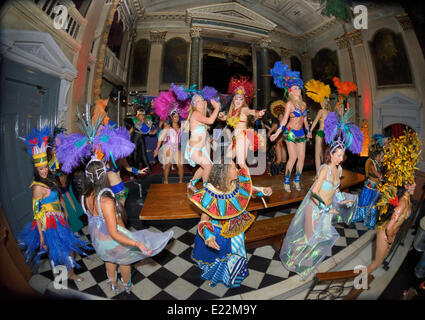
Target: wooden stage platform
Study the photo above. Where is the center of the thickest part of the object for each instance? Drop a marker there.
(169, 201)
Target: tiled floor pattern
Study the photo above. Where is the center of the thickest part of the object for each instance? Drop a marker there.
(173, 275)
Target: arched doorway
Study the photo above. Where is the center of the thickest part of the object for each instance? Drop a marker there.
(222, 60)
(395, 130)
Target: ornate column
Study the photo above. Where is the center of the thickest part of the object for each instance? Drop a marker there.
(364, 91)
(265, 73)
(307, 73)
(254, 73)
(195, 34)
(285, 55)
(157, 39)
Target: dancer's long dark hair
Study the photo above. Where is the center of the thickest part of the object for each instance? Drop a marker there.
(383, 218)
(51, 181)
(93, 188)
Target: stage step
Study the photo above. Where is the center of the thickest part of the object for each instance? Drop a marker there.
(268, 232)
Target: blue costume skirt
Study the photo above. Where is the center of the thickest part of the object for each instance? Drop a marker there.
(366, 210)
(227, 265)
(59, 239)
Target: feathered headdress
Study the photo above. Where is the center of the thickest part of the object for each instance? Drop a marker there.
(37, 142)
(344, 88)
(143, 103)
(166, 104)
(317, 90)
(99, 110)
(277, 107)
(182, 93)
(104, 143)
(400, 159)
(340, 133)
(241, 85)
(285, 78)
(379, 140)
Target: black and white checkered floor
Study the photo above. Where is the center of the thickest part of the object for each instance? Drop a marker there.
(173, 275)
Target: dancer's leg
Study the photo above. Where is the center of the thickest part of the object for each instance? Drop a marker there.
(300, 163)
(111, 272)
(292, 150)
(242, 150)
(382, 249)
(179, 166)
(125, 273)
(318, 152)
(201, 159)
(166, 172)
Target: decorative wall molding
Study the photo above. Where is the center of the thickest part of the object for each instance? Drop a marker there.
(195, 32)
(231, 13)
(285, 52)
(157, 36)
(40, 51)
(264, 43)
(404, 21)
(398, 108)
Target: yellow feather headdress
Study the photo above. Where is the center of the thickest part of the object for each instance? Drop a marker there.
(317, 90)
(400, 159)
(277, 107)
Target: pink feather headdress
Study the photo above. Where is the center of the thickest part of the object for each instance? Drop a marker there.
(166, 104)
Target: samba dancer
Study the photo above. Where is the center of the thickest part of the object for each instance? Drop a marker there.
(294, 119)
(311, 236)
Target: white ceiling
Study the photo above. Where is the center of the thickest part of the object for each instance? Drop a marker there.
(294, 16)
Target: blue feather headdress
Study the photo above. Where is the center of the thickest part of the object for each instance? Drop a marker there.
(341, 133)
(183, 93)
(285, 78)
(98, 142)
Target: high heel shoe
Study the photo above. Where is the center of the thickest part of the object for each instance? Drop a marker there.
(297, 181)
(287, 184)
(115, 288)
(127, 286)
(192, 185)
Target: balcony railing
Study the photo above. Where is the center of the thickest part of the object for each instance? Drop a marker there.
(75, 22)
(113, 66)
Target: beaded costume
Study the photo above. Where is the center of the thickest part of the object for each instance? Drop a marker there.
(229, 222)
(57, 234)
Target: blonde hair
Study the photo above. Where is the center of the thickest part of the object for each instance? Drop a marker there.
(192, 108)
(232, 107)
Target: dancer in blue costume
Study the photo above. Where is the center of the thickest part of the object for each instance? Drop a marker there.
(311, 236)
(366, 209)
(220, 241)
(48, 232)
(113, 243)
(293, 122)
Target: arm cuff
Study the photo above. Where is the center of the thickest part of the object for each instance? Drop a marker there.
(205, 230)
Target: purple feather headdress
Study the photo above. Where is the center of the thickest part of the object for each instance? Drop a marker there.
(184, 94)
(115, 143)
(340, 133)
(98, 141)
(166, 104)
